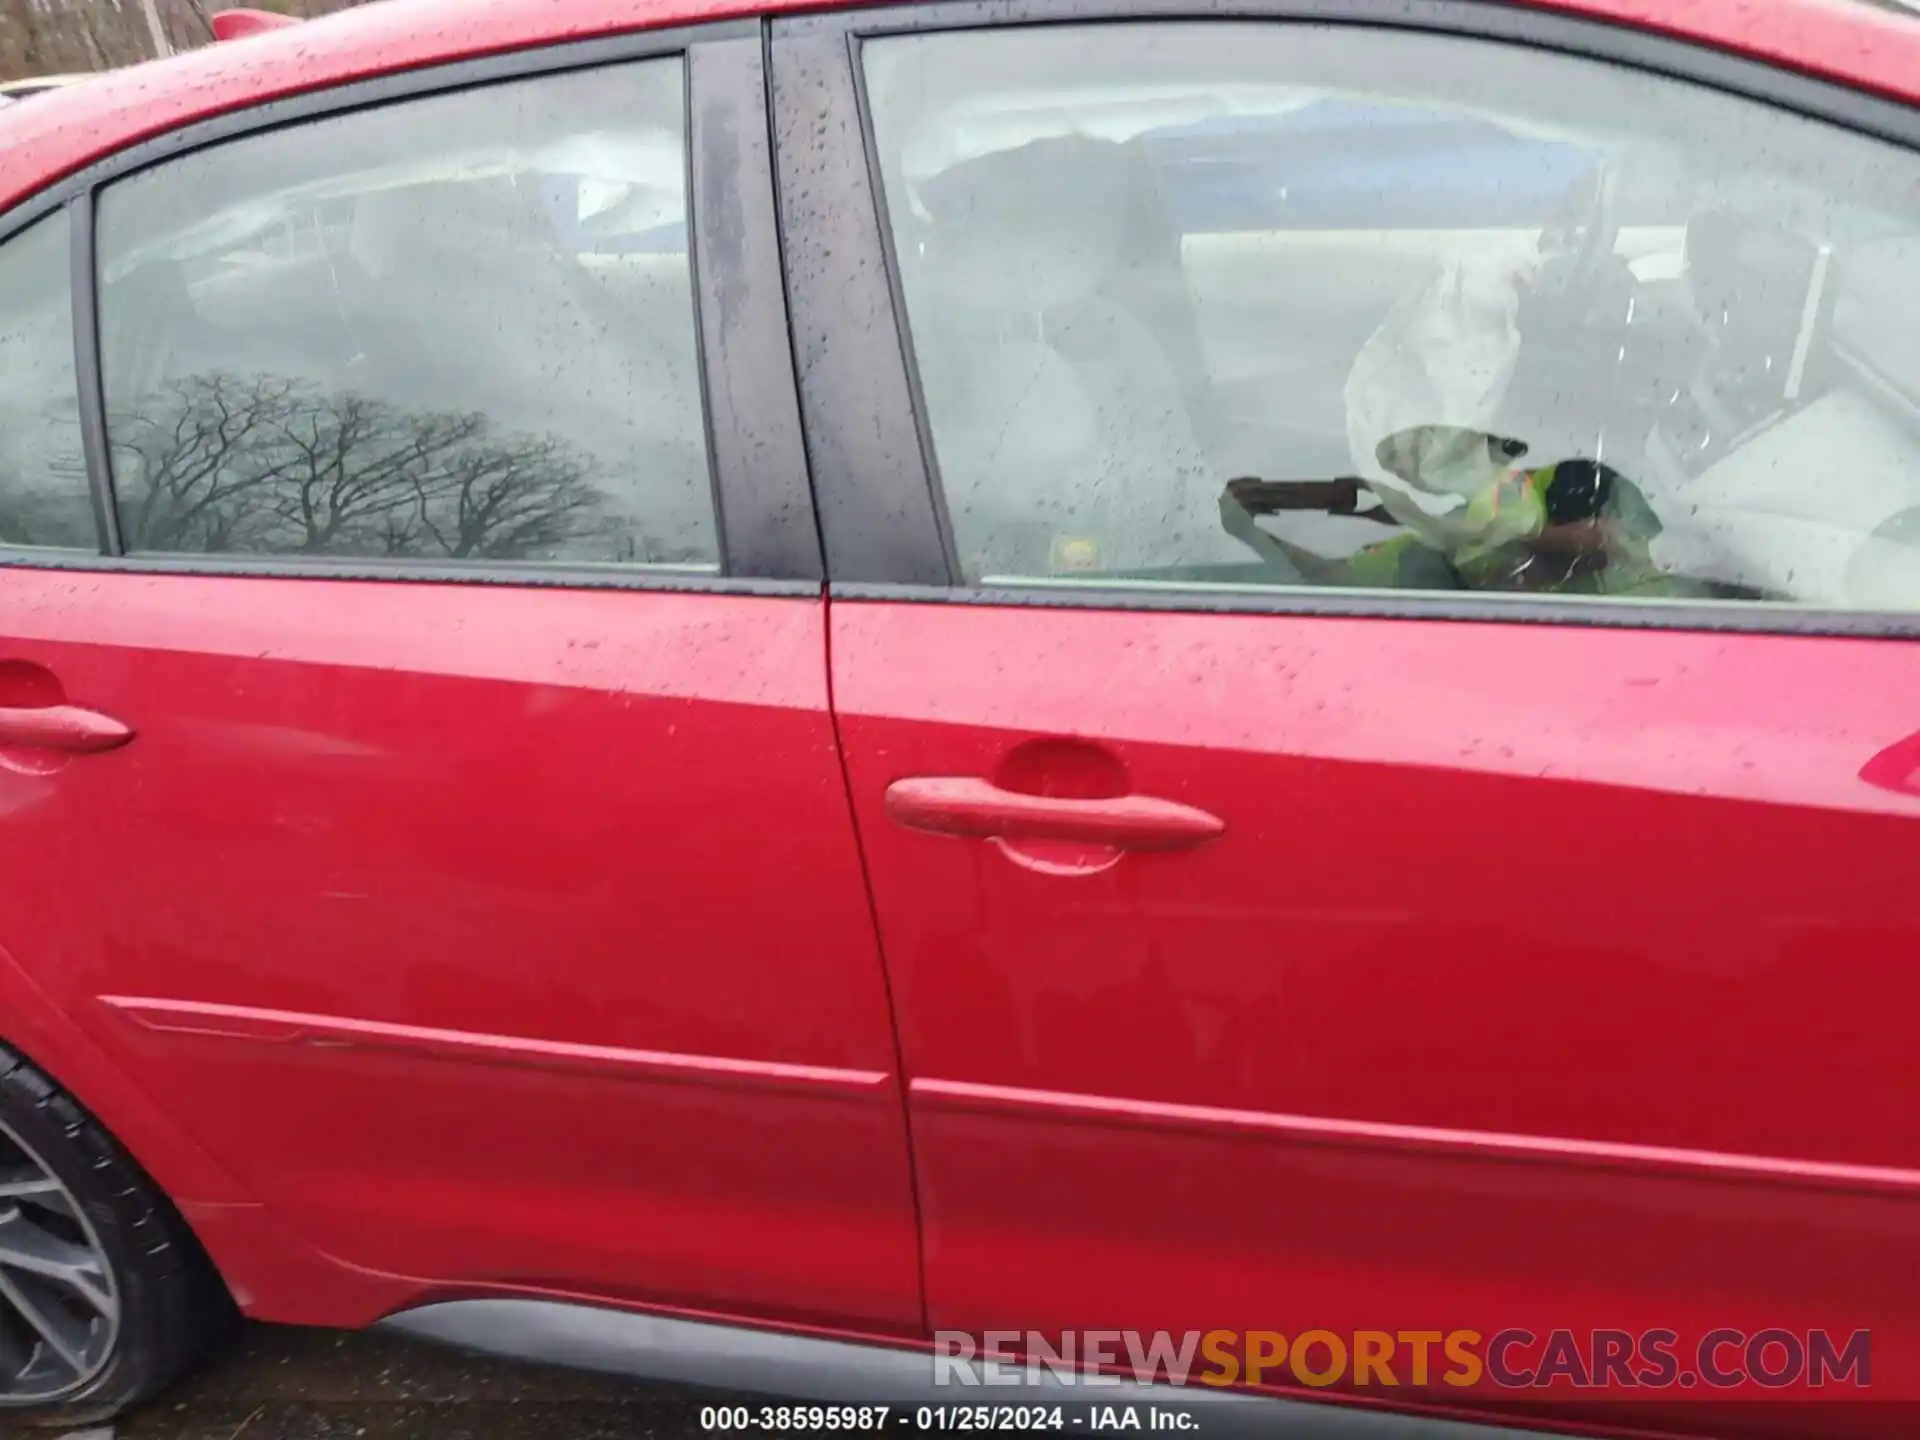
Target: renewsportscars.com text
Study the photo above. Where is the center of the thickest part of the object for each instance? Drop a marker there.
(1719, 1360)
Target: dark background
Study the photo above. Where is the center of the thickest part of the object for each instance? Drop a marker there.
(283, 1383)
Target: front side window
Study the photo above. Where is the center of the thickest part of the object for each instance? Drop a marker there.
(458, 328)
(44, 501)
(1244, 303)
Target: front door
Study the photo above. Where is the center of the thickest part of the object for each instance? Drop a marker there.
(1354, 848)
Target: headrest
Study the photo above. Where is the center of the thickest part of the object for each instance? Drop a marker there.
(1751, 279)
(407, 227)
(1024, 230)
(387, 226)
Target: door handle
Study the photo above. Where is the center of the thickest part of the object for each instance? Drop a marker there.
(67, 728)
(967, 805)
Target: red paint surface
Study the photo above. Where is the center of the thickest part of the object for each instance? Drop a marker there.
(485, 827)
(1542, 976)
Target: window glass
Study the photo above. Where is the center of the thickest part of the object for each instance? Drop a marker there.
(1290, 304)
(456, 328)
(44, 501)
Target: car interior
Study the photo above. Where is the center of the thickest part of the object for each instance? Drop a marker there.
(1133, 322)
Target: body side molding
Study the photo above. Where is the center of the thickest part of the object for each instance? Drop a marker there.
(208, 1021)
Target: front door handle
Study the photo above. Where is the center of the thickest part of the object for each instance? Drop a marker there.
(66, 728)
(967, 805)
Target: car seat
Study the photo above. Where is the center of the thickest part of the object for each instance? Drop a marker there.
(1061, 426)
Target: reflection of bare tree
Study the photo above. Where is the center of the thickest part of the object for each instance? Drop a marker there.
(265, 464)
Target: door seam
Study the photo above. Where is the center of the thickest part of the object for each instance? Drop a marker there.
(886, 972)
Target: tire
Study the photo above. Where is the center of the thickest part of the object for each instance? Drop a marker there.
(134, 1301)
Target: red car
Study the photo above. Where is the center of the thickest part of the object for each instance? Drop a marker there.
(775, 699)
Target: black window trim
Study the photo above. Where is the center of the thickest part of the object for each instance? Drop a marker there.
(767, 535)
(94, 446)
(881, 512)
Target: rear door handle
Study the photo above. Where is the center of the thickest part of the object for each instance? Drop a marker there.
(970, 806)
(66, 728)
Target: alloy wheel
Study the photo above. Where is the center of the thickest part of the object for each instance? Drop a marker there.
(59, 1309)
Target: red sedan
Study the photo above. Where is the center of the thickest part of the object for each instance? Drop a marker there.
(978, 707)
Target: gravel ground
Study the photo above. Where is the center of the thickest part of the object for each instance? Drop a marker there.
(280, 1383)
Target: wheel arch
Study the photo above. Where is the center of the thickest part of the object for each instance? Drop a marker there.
(270, 1273)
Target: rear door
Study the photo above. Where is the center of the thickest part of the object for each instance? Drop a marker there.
(477, 881)
(1370, 646)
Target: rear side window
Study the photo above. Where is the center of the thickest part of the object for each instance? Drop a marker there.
(1295, 305)
(44, 501)
(458, 328)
